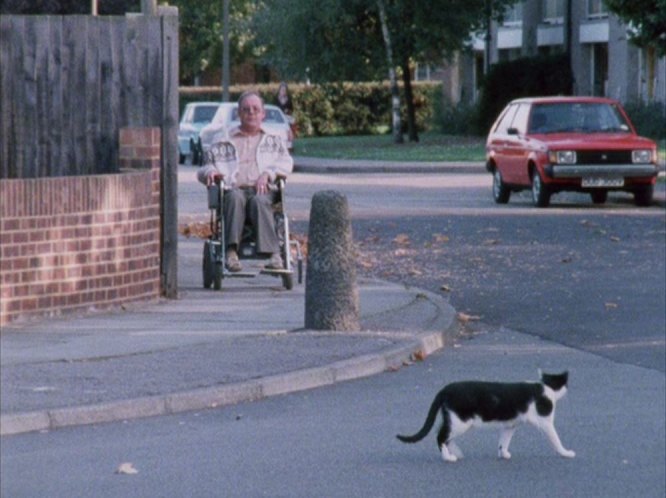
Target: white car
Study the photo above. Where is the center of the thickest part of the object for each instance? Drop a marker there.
(195, 116)
(226, 117)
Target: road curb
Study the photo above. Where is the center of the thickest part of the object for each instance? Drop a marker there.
(422, 345)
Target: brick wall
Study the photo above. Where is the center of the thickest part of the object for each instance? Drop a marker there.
(82, 242)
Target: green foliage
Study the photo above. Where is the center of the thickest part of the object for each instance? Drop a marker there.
(432, 147)
(201, 34)
(327, 40)
(524, 77)
(334, 109)
(460, 119)
(647, 21)
(648, 118)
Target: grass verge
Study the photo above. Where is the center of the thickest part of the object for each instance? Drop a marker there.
(431, 147)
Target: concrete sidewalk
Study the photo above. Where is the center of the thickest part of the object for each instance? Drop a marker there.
(205, 349)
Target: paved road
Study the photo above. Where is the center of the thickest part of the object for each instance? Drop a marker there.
(340, 441)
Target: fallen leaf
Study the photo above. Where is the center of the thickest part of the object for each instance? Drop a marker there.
(441, 238)
(126, 468)
(445, 288)
(418, 356)
(611, 306)
(464, 317)
(491, 242)
(402, 239)
(615, 238)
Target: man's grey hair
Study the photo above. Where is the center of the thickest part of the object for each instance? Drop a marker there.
(249, 93)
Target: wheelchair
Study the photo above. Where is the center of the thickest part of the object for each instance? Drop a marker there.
(214, 253)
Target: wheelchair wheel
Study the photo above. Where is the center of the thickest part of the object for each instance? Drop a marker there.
(208, 266)
(217, 276)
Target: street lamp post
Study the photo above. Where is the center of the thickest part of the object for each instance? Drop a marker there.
(225, 51)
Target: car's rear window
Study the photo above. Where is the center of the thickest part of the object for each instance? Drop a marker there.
(566, 117)
(204, 113)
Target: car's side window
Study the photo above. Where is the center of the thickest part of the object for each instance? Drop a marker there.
(505, 121)
(519, 122)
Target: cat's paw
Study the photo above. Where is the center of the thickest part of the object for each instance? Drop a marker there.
(505, 455)
(568, 453)
(455, 450)
(448, 456)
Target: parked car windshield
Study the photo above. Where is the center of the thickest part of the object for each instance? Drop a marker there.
(567, 117)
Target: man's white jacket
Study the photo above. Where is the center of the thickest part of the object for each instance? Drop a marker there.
(272, 158)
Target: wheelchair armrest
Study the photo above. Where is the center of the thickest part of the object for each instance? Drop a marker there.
(214, 196)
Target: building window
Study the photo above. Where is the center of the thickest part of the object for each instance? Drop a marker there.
(596, 8)
(599, 69)
(553, 11)
(513, 15)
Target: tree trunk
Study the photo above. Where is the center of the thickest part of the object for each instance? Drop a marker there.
(395, 92)
(412, 133)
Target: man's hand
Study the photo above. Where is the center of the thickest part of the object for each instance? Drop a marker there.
(262, 184)
(213, 177)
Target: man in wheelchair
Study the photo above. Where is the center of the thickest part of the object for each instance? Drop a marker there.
(248, 161)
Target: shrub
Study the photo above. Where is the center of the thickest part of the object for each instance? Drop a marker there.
(524, 77)
(648, 118)
(335, 108)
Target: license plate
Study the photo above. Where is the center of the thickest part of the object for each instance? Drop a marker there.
(596, 181)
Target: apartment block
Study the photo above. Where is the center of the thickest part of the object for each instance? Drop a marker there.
(603, 60)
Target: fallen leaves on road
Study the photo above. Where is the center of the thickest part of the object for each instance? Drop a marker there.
(418, 356)
(402, 239)
(464, 317)
(199, 229)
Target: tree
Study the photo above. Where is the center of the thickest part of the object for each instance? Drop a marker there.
(201, 40)
(646, 20)
(335, 40)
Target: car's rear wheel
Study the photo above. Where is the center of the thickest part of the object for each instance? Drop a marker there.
(540, 192)
(599, 196)
(643, 195)
(501, 193)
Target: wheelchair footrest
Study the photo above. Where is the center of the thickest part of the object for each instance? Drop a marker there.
(270, 271)
(238, 274)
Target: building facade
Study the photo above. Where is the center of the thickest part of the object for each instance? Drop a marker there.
(603, 60)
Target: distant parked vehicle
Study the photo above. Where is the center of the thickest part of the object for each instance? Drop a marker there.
(226, 117)
(553, 144)
(195, 116)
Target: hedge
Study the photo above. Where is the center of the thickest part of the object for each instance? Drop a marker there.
(335, 108)
(524, 77)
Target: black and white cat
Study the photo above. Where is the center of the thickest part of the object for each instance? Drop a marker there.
(476, 404)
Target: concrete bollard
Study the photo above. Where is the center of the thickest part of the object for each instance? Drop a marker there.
(331, 292)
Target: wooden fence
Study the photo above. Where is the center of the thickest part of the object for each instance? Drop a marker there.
(69, 83)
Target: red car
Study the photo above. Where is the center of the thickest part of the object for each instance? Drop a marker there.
(585, 144)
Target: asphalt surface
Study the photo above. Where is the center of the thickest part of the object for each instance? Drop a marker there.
(208, 348)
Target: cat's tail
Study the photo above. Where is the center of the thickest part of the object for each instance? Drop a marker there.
(429, 422)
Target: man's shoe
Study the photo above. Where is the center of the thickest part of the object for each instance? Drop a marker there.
(275, 263)
(233, 264)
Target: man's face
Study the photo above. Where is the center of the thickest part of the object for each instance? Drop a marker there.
(251, 113)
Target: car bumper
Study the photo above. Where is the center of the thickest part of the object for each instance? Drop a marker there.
(602, 170)
(184, 145)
